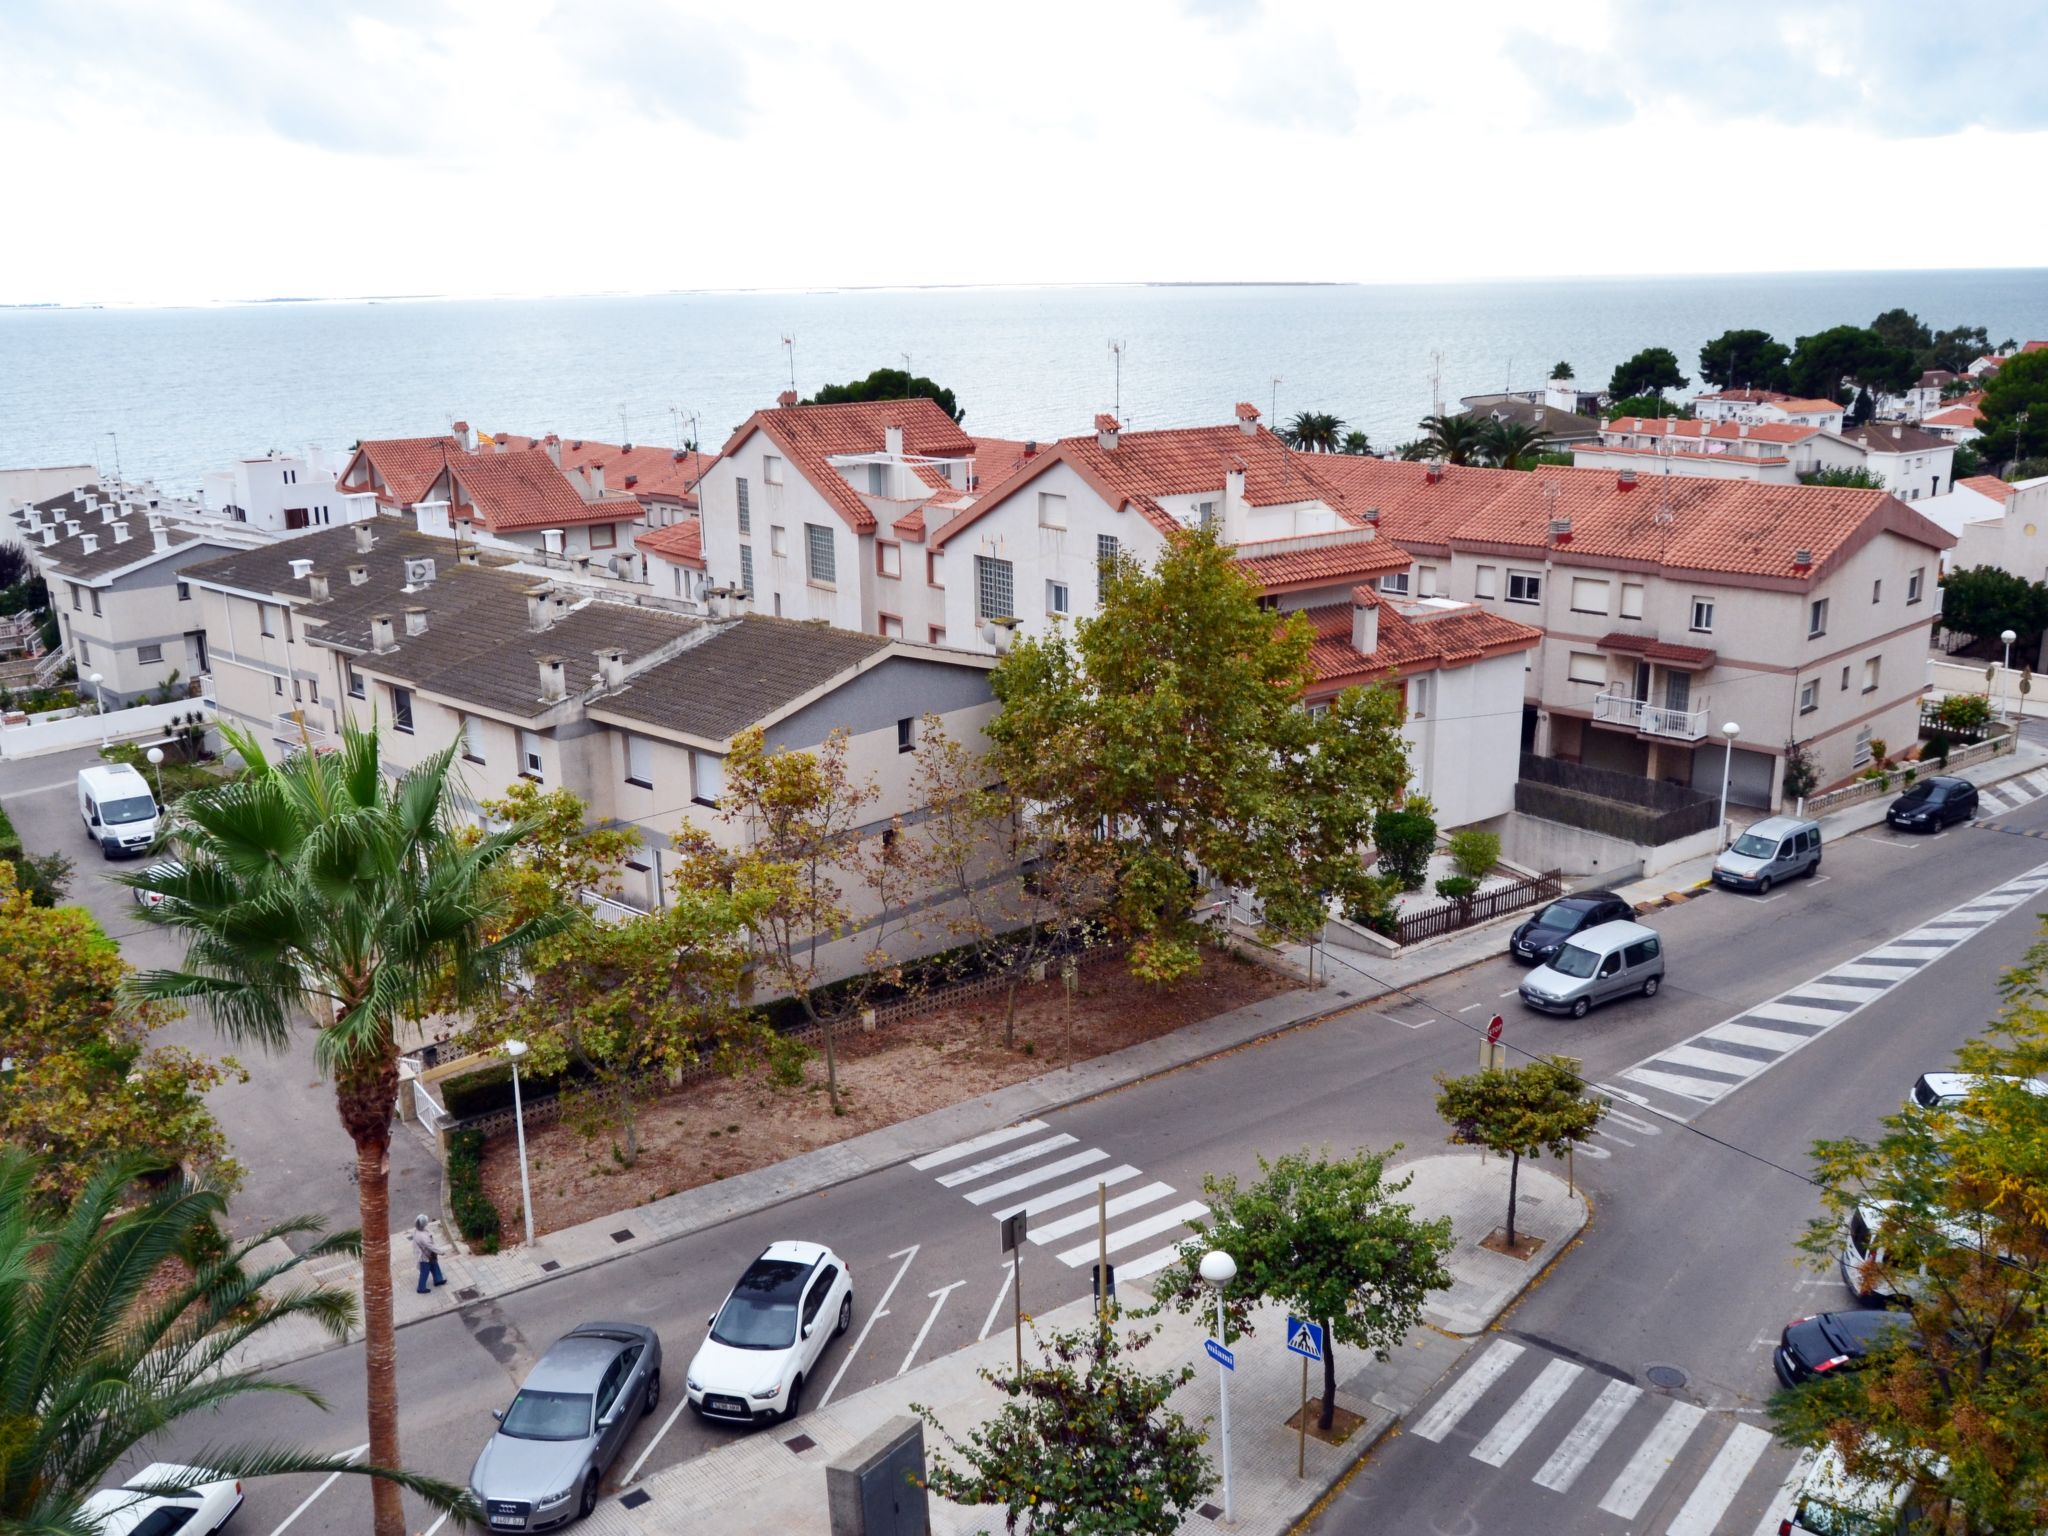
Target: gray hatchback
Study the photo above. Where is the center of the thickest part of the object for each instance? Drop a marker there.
(566, 1426)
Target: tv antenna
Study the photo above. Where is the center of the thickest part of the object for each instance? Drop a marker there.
(625, 434)
(1436, 383)
(1275, 409)
(906, 361)
(117, 456)
(790, 343)
(1116, 352)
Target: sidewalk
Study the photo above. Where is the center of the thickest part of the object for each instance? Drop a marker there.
(774, 1478)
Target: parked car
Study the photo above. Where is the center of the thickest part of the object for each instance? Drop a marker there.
(1776, 848)
(1863, 1256)
(1933, 804)
(1594, 966)
(566, 1425)
(132, 1510)
(1945, 1090)
(1830, 1502)
(1811, 1347)
(162, 869)
(765, 1341)
(1540, 937)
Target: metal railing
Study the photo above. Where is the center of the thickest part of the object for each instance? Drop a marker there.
(293, 728)
(1650, 719)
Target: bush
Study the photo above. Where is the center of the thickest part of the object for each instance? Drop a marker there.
(1457, 887)
(1935, 747)
(1963, 712)
(1474, 852)
(1909, 776)
(476, 1218)
(1802, 774)
(1405, 838)
(1880, 751)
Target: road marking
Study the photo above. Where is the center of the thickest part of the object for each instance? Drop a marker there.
(1622, 1093)
(1004, 1160)
(881, 1311)
(1787, 1496)
(1791, 1014)
(1066, 1192)
(682, 1402)
(1652, 1459)
(1642, 1126)
(1152, 1226)
(1467, 1390)
(46, 789)
(1597, 1153)
(1820, 879)
(1066, 1226)
(1611, 1136)
(961, 1149)
(1947, 933)
(1712, 1494)
(1516, 1425)
(1516, 993)
(1765, 901)
(938, 1300)
(1468, 1007)
(1578, 1448)
(1148, 1263)
(1885, 973)
(307, 1502)
(996, 1305)
(990, 1192)
(1827, 992)
(1685, 1087)
(1713, 1061)
(1402, 1022)
(1749, 1034)
(442, 1519)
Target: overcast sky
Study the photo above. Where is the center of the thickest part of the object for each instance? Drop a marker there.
(191, 150)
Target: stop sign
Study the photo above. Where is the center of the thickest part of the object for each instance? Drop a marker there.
(1493, 1031)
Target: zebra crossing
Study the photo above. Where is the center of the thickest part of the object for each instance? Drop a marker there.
(1605, 1437)
(1995, 800)
(1009, 1170)
(1680, 1080)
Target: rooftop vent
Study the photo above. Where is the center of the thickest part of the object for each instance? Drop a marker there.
(415, 621)
(366, 538)
(90, 541)
(553, 687)
(383, 635)
(1625, 480)
(316, 583)
(358, 574)
(1561, 530)
(1802, 557)
(538, 612)
(301, 569)
(120, 533)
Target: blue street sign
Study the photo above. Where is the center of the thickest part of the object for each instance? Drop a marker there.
(1305, 1337)
(1222, 1356)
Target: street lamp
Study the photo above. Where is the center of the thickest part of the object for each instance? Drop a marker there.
(2008, 637)
(99, 703)
(1731, 730)
(516, 1049)
(156, 761)
(1218, 1270)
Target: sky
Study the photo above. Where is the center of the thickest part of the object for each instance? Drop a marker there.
(191, 151)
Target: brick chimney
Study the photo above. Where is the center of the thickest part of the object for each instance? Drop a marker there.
(786, 399)
(553, 686)
(1365, 620)
(1106, 429)
(1247, 418)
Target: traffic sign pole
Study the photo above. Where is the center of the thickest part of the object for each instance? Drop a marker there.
(1301, 1450)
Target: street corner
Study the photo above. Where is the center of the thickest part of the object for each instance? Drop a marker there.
(1486, 1274)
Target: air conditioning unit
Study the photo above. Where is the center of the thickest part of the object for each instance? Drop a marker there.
(419, 570)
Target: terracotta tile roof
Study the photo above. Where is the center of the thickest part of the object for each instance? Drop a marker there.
(1670, 428)
(680, 543)
(1893, 437)
(1989, 485)
(1694, 452)
(2035, 346)
(1961, 414)
(1650, 647)
(1324, 566)
(407, 466)
(1791, 404)
(1415, 509)
(1412, 638)
(522, 489)
(809, 435)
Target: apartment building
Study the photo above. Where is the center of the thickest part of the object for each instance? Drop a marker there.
(1757, 406)
(1906, 460)
(662, 480)
(281, 493)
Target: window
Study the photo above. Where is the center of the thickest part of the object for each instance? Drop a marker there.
(739, 486)
(1913, 584)
(1877, 591)
(355, 679)
(184, 591)
(1845, 679)
(1870, 674)
(529, 756)
(1106, 557)
(287, 624)
(1863, 753)
(472, 738)
(1525, 587)
(1589, 595)
(890, 625)
(771, 469)
(1809, 696)
(1052, 509)
(937, 634)
(778, 545)
(906, 734)
(1205, 514)
(747, 569)
(820, 1288)
(1703, 615)
(263, 620)
(1056, 597)
(313, 689)
(149, 653)
(1817, 618)
(277, 687)
(1418, 697)
(640, 761)
(77, 597)
(1426, 575)
(604, 535)
(888, 559)
(401, 707)
(995, 589)
(96, 602)
(1395, 583)
(84, 654)
(1586, 667)
(707, 777)
(1486, 581)
(820, 560)
(1631, 600)
(933, 570)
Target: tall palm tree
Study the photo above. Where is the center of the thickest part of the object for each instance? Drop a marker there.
(1355, 442)
(1454, 439)
(94, 1364)
(315, 891)
(1512, 444)
(1313, 432)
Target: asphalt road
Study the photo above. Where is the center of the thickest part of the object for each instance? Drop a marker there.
(1688, 1262)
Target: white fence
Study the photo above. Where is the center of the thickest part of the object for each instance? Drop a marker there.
(60, 735)
(2002, 685)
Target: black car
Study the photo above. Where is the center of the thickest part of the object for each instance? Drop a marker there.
(1933, 804)
(1540, 937)
(1830, 1341)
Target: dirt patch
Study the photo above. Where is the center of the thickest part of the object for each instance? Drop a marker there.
(948, 1054)
(1343, 1423)
(1524, 1247)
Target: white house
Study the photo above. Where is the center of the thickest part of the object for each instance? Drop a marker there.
(1906, 460)
(1768, 405)
(1957, 421)
(284, 492)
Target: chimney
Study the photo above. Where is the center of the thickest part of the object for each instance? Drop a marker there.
(611, 666)
(1802, 559)
(1897, 431)
(468, 555)
(415, 621)
(1625, 480)
(358, 574)
(631, 481)
(1742, 430)
(1247, 418)
(71, 527)
(786, 399)
(594, 475)
(158, 535)
(551, 445)
(1106, 430)
(714, 602)
(382, 636)
(1031, 450)
(121, 532)
(366, 538)
(1432, 471)
(553, 688)
(892, 442)
(552, 538)
(1365, 620)
(301, 569)
(580, 564)
(316, 583)
(49, 537)
(90, 541)
(107, 512)
(1232, 520)
(625, 447)
(1372, 516)
(1560, 531)
(538, 615)
(464, 434)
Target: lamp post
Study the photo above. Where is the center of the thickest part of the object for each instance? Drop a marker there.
(516, 1049)
(99, 704)
(156, 761)
(1729, 731)
(1218, 1270)
(2008, 637)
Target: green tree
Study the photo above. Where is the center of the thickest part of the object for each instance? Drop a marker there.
(1474, 851)
(1328, 1238)
(889, 384)
(1083, 1442)
(1649, 372)
(1355, 442)
(1512, 444)
(1522, 1112)
(1903, 329)
(1859, 477)
(1956, 349)
(1454, 439)
(318, 891)
(1802, 774)
(1966, 464)
(1647, 405)
(1561, 373)
(1314, 432)
(1170, 726)
(1982, 601)
(1830, 364)
(1404, 836)
(118, 1319)
(1744, 360)
(2013, 415)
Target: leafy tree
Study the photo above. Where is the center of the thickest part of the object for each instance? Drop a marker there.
(1650, 371)
(1328, 1238)
(84, 1084)
(1859, 477)
(889, 384)
(1861, 409)
(1802, 774)
(1355, 442)
(1474, 851)
(319, 890)
(1512, 444)
(104, 1349)
(1956, 349)
(1083, 1442)
(1415, 450)
(1983, 601)
(1562, 372)
(1170, 726)
(1522, 1112)
(2013, 415)
(1313, 431)
(14, 566)
(1966, 463)
(1648, 405)
(1454, 439)
(1405, 836)
(1826, 365)
(1744, 360)
(1903, 329)
(2028, 469)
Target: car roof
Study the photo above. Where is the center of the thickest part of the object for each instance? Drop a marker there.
(573, 1363)
(1946, 778)
(1610, 934)
(1778, 826)
(1946, 1083)
(794, 1249)
(112, 776)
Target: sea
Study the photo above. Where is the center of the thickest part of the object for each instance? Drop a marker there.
(169, 393)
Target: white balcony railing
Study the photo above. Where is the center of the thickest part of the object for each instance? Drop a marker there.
(1650, 719)
(295, 729)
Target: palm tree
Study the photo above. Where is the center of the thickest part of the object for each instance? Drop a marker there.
(1355, 442)
(1562, 372)
(1313, 432)
(1454, 439)
(316, 891)
(1512, 444)
(94, 1363)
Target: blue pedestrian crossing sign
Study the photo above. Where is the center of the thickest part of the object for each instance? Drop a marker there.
(1305, 1338)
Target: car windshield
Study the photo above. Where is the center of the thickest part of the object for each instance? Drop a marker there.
(761, 1312)
(1560, 914)
(547, 1416)
(1916, 794)
(1831, 1520)
(1924, 1094)
(1574, 961)
(1755, 847)
(118, 812)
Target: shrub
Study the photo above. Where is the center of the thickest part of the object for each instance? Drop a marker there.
(1909, 776)
(1802, 775)
(1457, 887)
(1880, 751)
(1935, 747)
(1405, 837)
(1474, 852)
(476, 1218)
(1963, 712)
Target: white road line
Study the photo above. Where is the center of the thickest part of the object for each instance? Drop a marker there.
(1058, 1197)
(938, 1300)
(1947, 931)
(1792, 1013)
(42, 789)
(990, 1192)
(2039, 779)
(682, 1402)
(1520, 1421)
(1599, 1154)
(961, 1149)
(1468, 1008)
(1443, 1417)
(1749, 1034)
(1869, 972)
(1622, 1093)
(1652, 1459)
(1066, 1226)
(1697, 1089)
(1004, 1160)
(1712, 1494)
(1612, 1136)
(1713, 1061)
(442, 1519)
(1642, 1126)
(1516, 993)
(307, 1502)
(1147, 1263)
(1578, 1448)
(881, 1310)
(1900, 952)
(1786, 1497)
(1151, 1226)
(1833, 994)
(996, 1305)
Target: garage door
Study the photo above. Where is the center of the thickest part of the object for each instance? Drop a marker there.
(1749, 780)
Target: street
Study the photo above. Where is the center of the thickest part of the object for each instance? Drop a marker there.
(1688, 1267)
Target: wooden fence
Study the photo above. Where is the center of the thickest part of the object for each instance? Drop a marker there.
(1434, 922)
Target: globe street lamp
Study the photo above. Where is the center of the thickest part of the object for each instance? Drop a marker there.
(1218, 1270)
(99, 704)
(2008, 637)
(516, 1049)
(1731, 730)
(156, 761)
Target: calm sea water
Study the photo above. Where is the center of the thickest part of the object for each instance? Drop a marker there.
(191, 389)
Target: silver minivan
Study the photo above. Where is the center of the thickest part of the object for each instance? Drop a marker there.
(1776, 848)
(1601, 963)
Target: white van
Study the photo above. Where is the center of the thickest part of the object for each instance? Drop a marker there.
(119, 812)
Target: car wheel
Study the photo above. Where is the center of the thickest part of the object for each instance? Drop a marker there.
(1763, 886)
(589, 1500)
(1650, 987)
(845, 1315)
(653, 1392)
(794, 1404)
(1813, 869)
(1579, 1008)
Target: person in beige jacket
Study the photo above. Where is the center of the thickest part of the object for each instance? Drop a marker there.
(428, 1253)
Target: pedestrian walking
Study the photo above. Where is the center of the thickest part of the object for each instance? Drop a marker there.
(428, 1251)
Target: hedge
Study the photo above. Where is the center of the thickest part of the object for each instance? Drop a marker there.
(476, 1218)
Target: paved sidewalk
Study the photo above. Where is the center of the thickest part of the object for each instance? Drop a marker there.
(760, 1483)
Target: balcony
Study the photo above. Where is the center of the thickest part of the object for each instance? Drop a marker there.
(1650, 719)
(294, 729)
